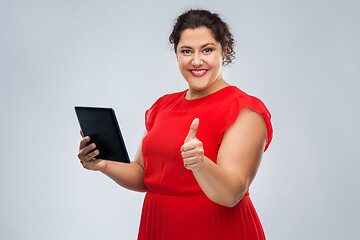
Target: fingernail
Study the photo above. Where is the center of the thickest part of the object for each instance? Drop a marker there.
(93, 145)
(96, 151)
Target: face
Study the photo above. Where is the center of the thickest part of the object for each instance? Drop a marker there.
(200, 58)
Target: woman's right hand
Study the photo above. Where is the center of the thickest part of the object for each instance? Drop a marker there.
(87, 155)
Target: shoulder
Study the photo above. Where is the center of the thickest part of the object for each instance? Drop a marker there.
(170, 97)
(232, 96)
(244, 107)
(245, 100)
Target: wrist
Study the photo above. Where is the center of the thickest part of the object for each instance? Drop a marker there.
(105, 167)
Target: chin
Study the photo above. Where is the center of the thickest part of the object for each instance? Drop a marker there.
(199, 87)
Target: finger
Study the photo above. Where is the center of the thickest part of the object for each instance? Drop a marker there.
(191, 160)
(191, 153)
(193, 129)
(89, 157)
(81, 133)
(190, 166)
(83, 142)
(92, 155)
(85, 151)
(188, 146)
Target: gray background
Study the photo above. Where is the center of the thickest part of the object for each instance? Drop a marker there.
(300, 57)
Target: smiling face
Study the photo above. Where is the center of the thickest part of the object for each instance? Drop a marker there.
(200, 59)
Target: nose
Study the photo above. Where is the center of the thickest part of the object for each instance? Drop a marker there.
(197, 60)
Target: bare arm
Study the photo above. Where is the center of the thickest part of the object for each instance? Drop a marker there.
(238, 160)
(130, 176)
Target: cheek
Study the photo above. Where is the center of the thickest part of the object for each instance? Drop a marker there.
(216, 62)
(182, 64)
(182, 68)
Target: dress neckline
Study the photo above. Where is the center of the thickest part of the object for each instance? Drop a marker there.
(211, 95)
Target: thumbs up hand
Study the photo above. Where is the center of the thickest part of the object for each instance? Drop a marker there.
(192, 151)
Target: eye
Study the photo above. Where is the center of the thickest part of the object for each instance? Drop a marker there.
(208, 50)
(186, 51)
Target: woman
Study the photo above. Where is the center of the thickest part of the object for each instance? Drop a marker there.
(202, 147)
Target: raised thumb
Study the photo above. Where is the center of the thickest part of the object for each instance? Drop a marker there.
(193, 129)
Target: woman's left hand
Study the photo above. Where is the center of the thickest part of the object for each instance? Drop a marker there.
(192, 151)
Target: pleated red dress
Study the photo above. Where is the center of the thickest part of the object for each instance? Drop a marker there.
(175, 207)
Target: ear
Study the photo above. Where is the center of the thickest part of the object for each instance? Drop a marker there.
(224, 53)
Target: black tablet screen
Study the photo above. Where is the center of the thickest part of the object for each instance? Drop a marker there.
(102, 127)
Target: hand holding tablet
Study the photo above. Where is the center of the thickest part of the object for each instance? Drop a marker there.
(101, 126)
(87, 155)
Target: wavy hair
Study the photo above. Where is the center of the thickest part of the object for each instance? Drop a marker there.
(196, 18)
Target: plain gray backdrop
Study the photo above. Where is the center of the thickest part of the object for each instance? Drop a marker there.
(301, 58)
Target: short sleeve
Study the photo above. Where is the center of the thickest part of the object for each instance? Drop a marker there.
(150, 114)
(253, 103)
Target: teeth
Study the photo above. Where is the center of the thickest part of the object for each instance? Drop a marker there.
(198, 71)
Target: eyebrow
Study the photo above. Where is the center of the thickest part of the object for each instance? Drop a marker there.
(205, 45)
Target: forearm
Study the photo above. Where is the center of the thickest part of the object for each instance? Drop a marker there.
(130, 176)
(220, 185)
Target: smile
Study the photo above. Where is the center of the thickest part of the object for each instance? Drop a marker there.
(198, 72)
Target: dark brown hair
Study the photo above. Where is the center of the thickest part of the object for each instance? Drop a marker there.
(202, 18)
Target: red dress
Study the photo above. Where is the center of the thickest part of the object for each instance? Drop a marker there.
(175, 207)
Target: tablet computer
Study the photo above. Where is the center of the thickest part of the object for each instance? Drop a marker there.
(102, 127)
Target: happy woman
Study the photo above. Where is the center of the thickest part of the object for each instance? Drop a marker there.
(201, 148)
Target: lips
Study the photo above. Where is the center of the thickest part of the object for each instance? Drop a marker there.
(198, 72)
